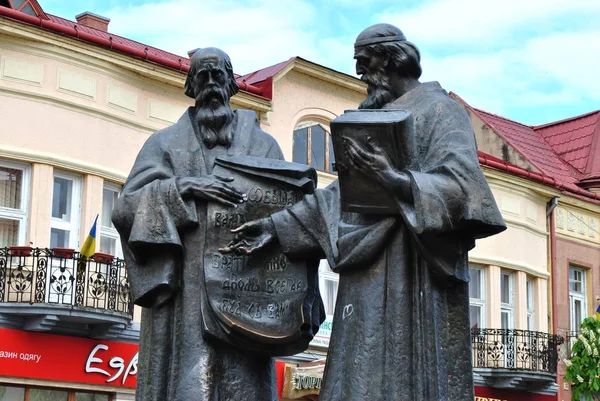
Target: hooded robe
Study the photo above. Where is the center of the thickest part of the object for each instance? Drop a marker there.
(163, 237)
(401, 327)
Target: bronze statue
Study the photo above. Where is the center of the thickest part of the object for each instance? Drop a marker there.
(401, 326)
(202, 336)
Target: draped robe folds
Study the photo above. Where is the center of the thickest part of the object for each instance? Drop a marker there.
(401, 324)
(163, 238)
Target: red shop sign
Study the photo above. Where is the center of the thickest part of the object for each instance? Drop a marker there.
(71, 359)
(494, 394)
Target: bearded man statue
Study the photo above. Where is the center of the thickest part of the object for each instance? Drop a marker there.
(161, 217)
(401, 327)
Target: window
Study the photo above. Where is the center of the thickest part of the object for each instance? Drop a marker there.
(14, 188)
(64, 220)
(20, 5)
(109, 237)
(312, 146)
(530, 303)
(9, 393)
(328, 283)
(506, 300)
(577, 297)
(477, 297)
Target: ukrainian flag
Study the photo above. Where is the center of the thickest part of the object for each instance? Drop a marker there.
(597, 314)
(89, 246)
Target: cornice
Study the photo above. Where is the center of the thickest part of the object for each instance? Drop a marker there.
(107, 62)
(325, 178)
(80, 108)
(324, 74)
(509, 265)
(26, 155)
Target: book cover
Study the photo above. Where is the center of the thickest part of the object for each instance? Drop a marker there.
(393, 131)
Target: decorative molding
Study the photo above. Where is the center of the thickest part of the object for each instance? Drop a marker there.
(32, 40)
(570, 222)
(80, 108)
(503, 263)
(512, 222)
(590, 242)
(324, 179)
(325, 74)
(122, 99)
(510, 205)
(27, 156)
(560, 219)
(77, 84)
(164, 112)
(22, 71)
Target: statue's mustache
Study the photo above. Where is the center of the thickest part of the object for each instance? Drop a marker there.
(210, 93)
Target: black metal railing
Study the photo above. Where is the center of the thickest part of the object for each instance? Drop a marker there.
(515, 349)
(61, 276)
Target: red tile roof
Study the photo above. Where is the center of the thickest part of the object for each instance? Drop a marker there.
(572, 139)
(266, 73)
(559, 150)
(185, 61)
(263, 78)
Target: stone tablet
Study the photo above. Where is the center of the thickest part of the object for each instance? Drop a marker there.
(257, 300)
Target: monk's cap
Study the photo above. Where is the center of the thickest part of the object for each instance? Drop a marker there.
(379, 39)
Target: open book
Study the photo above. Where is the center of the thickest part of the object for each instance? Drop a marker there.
(392, 130)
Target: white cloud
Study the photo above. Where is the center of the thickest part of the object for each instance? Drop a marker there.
(508, 55)
(482, 23)
(498, 55)
(254, 33)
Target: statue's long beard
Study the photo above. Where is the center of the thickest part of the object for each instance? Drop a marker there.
(378, 91)
(214, 117)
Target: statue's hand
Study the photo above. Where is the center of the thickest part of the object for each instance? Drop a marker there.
(211, 188)
(251, 237)
(373, 162)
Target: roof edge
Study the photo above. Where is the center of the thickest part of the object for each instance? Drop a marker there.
(495, 163)
(536, 127)
(110, 44)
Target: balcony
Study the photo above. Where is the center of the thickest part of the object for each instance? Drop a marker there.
(55, 290)
(516, 359)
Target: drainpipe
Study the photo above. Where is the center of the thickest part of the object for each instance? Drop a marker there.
(553, 267)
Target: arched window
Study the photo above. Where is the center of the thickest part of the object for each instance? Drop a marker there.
(312, 146)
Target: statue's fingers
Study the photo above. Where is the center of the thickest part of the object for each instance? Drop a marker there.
(226, 249)
(374, 145)
(355, 156)
(245, 227)
(231, 194)
(363, 154)
(222, 178)
(224, 200)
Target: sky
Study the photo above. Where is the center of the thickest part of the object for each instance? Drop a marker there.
(533, 61)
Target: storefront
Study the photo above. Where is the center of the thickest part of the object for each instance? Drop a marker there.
(493, 394)
(49, 367)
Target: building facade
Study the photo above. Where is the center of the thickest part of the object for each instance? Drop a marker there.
(76, 105)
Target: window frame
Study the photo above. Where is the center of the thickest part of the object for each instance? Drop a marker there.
(508, 308)
(479, 302)
(22, 214)
(71, 392)
(530, 293)
(110, 232)
(308, 124)
(326, 274)
(577, 296)
(73, 227)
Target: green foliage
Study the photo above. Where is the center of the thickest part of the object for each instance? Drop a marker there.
(583, 369)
